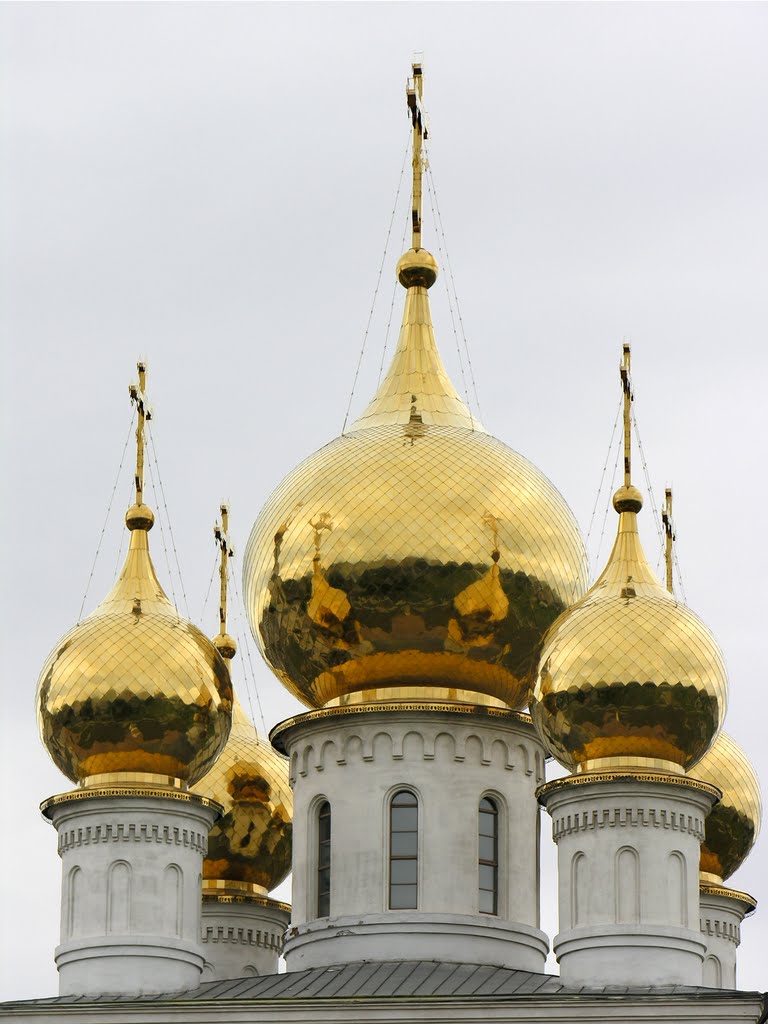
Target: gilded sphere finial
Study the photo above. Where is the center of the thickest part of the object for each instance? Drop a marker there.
(140, 517)
(417, 268)
(628, 499)
(225, 645)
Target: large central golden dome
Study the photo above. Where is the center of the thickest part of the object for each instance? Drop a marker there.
(416, 555)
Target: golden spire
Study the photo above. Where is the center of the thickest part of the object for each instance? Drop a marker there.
(417, 392)
(669, 534)
(223, 642)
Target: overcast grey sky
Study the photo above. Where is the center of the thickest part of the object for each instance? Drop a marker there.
(209, 186)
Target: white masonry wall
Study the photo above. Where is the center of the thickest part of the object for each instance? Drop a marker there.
(131, 881)
(721, 917)
(628, 876)
(450, 761)
(241, 937)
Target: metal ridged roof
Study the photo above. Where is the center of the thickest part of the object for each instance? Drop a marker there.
(395, 979)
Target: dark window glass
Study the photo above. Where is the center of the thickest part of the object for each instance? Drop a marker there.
(324, 860)
(403, 851)
(488, 842)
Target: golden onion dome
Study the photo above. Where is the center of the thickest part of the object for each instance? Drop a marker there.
(733, 824)
(629, 676)
(415, 556)
(249, 847)
(135, 688)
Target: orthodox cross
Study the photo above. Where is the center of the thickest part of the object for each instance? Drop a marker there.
(138, 398)
(221, 533)
(413, 92)
(669, 533)
(626, 386)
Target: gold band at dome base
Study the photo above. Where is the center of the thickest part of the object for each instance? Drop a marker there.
(750, 902)
(709, 878)
(254, 899)
(227, 887)
(131, 779)
(422, 694)
(662, 778)
(129, 791)
(629, 764)
(278, 733)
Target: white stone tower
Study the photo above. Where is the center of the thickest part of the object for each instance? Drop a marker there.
(134, 705)
(399, 583)
(631, 692)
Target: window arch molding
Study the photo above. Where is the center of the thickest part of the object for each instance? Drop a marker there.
(313, 890)
(503, 867)
(395, 847)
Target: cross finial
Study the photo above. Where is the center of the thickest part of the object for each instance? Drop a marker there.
(221, 533)
(414, 90)
(669, 535)
(626, 386)
(138, 398)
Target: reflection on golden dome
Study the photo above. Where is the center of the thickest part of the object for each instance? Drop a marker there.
(251, 843)
(415, 556)
(134, 687)
(733, 824)
(629, 673)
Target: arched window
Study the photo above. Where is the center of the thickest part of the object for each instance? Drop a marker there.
(403, 851)
(488, 841)
(324, 860)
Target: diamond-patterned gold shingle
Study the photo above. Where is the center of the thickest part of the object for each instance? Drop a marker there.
(134, 687)
(443, 559)
(733, 824)
(252, 841)
(629, 672)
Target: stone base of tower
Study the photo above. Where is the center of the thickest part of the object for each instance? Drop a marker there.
(365, 895)
(242, 933)
(628, 859)
(130, 907)
(448, 938)
(722, 912)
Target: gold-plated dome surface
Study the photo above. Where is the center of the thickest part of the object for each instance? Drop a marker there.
(411, 561)
(628, 672)
(732, 826)
(251, 842)
(134, 687)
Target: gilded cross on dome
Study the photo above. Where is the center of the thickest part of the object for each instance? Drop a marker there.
(224, 643)
(138, 398)
(414, 91)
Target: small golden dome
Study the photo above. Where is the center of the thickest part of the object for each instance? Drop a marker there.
(251, 843)
(732, 825)
(415, 556)
(628, 673)
(135, 688)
